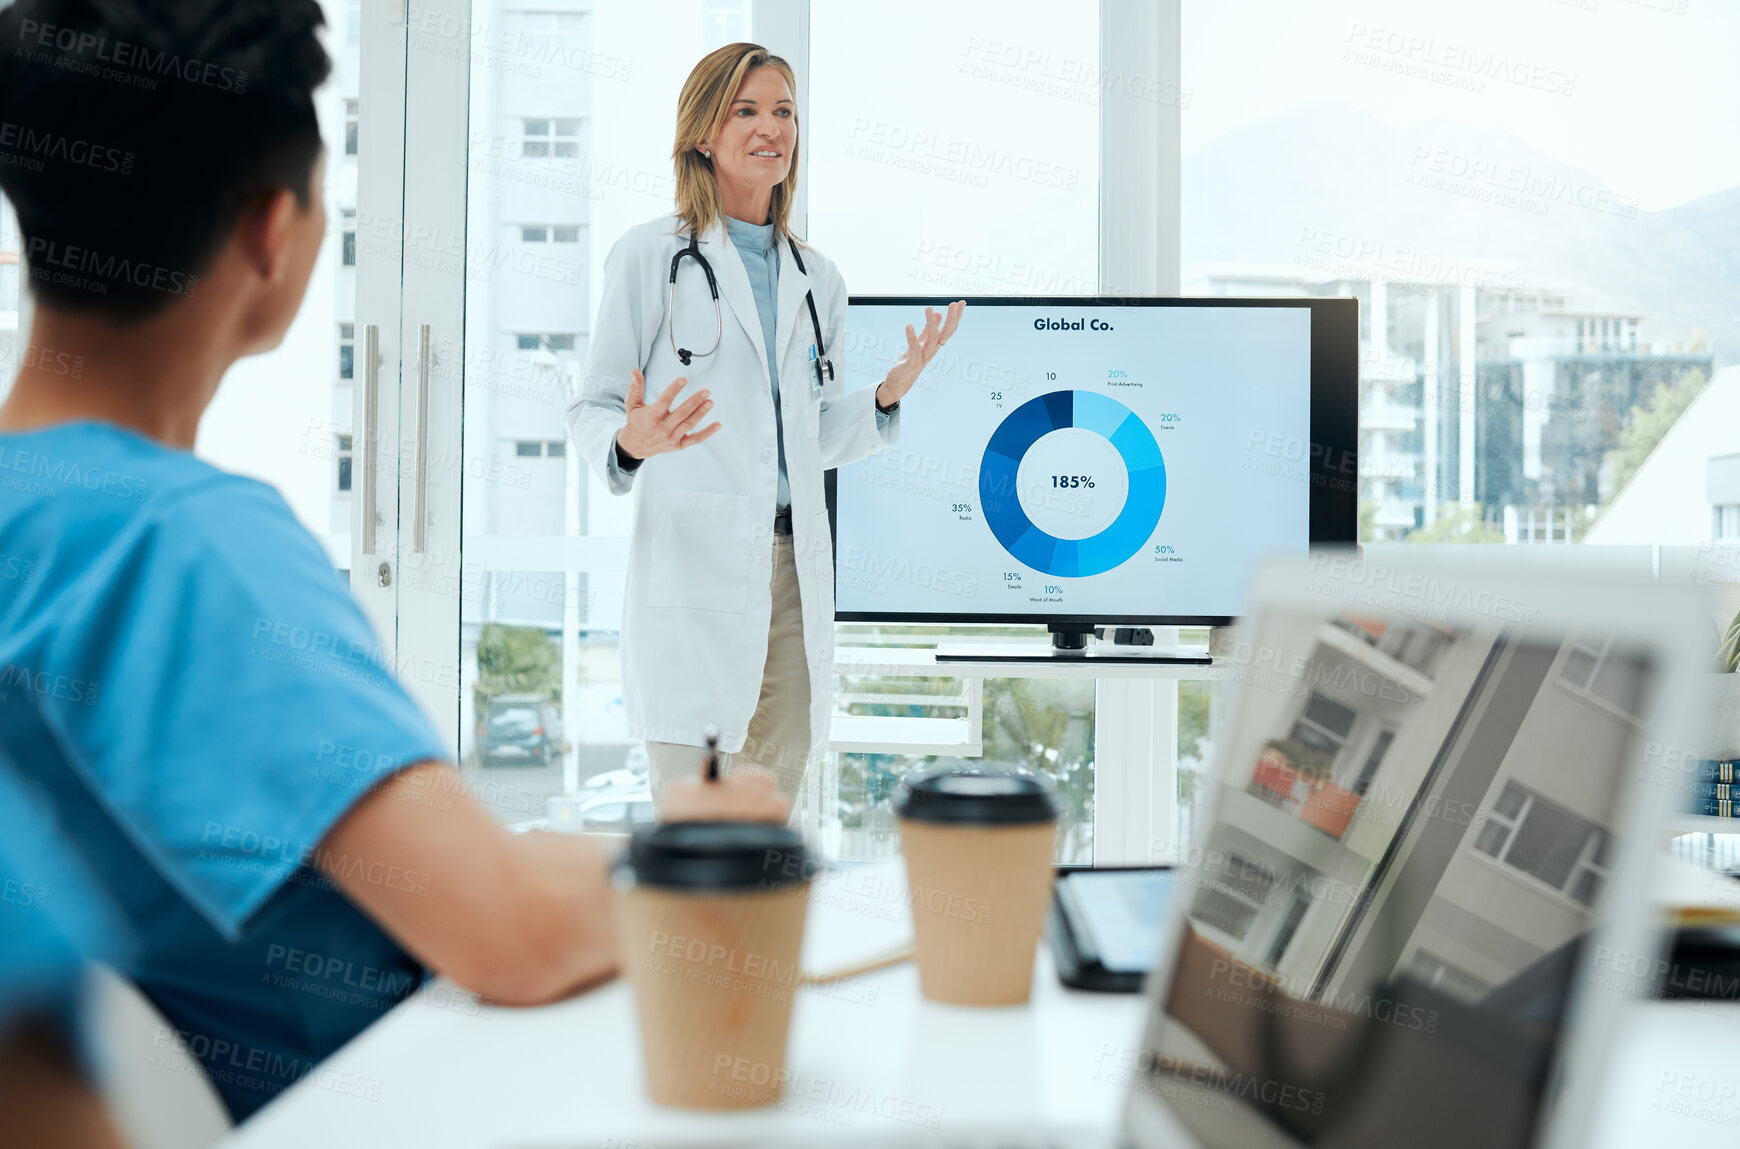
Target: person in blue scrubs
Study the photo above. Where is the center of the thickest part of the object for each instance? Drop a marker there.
(183, 676)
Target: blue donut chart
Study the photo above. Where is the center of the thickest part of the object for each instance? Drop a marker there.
(1000, 498)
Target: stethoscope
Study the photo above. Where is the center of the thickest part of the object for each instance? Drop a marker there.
(824, 366)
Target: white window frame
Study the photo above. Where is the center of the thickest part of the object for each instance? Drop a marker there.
(347, 251)
(550, 140)
(528, 18)
(381, 177)
(1725, 522)
(1585, 862)
(549, 231)
(1585, 690)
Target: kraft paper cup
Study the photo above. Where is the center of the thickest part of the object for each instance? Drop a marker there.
(978, 850)
(711, 921)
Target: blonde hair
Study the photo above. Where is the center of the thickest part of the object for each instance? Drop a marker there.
(701, 111)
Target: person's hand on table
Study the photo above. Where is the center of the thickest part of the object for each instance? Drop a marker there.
(920, 349)
(746, 796)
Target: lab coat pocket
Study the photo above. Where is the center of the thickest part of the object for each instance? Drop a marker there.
(696, 550)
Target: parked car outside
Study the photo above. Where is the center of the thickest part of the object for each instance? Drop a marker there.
(617, 813)
(629, 777)
(520, 730)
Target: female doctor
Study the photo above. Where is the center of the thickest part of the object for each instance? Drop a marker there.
(728, 619)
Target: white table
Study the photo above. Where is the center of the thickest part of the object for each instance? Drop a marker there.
(868, 1054)
(570, 1074)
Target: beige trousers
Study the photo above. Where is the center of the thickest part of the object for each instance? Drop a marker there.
(779, 732)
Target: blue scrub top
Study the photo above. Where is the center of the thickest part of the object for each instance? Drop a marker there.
(190, 684)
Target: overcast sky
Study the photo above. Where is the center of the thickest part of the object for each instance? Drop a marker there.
(1653, 103)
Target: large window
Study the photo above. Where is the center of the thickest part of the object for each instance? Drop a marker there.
(1546, 281)
(285, 416)
(1547, 293)
(569, 131)
(998, 197)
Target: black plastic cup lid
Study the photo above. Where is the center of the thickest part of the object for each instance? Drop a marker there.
(716, 856)
(986, 798)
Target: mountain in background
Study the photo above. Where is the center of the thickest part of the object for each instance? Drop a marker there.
(1439, 191)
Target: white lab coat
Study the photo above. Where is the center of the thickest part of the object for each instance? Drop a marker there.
(698, 602)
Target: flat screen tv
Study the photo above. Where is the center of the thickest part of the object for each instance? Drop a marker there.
(1084, 462)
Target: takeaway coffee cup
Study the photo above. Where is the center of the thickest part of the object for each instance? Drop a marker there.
(711, 918)
(978, 850)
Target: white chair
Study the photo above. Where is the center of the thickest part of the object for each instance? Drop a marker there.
(155, 1089)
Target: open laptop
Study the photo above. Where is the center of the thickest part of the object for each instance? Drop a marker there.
(1438, 790)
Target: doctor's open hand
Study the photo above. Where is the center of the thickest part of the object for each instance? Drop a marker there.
(657, 428)
(919, 351)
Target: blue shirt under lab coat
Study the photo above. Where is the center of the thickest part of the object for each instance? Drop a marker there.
(761, 258)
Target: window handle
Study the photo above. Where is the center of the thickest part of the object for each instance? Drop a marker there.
(371, 431)
(420, 529)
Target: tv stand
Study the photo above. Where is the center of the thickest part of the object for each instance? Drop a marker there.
(1069, 641)
(1073, 643)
